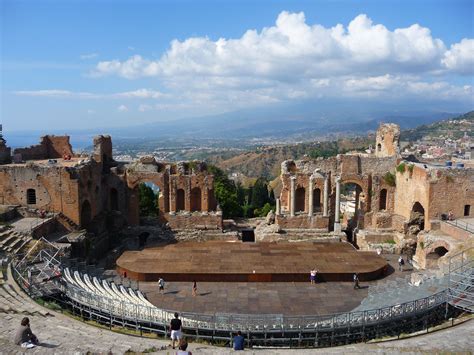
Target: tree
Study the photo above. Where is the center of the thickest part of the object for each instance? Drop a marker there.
(147, 201)
(260, 194)
(225, 192)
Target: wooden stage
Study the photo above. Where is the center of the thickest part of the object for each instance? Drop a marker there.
(216, 261)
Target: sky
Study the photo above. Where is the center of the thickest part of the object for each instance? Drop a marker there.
(93, 64)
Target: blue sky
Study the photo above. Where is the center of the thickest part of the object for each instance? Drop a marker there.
(92, 64)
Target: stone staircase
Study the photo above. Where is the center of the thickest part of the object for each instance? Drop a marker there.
(68, 223)
(13, 242)
(14, 300)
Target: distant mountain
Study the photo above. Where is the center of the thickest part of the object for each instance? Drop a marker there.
(453, 127)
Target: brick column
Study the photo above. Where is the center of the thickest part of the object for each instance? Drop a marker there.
(325, 197)
(310, 196)
(337, 225)
(292, 196)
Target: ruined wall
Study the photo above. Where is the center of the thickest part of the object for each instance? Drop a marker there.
(211, 221)
(438, 190)
(102, 149)
(302, 222)
(387, 140)
(50, 147)
(56, 188)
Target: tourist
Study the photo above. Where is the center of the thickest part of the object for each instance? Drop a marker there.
(401, 262)
(24, 336)
(239, 341)
(451, 216)
(195, 288)
(161, 285)
(312, 276)
(183, 345)
(356, 281)
(175, 326)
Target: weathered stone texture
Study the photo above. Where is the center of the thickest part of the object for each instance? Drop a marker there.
(387, 140)
(50, 147)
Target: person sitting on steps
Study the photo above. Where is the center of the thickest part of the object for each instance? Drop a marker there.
(24, 336)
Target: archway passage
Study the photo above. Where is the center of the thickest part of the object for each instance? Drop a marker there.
(114, 203)
(350, 203)
(179, 200)
(31, 197)
(383, 200)
(86, 214)
(417, 216)
(196, 199)
(432, 258)
(300, 199)
(317, 200)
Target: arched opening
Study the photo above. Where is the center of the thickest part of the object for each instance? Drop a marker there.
(31, 197)
(114, 203)
(417, 218)
(351, 204)
(379, 147)
(432, 258)
(86, 214)
(317, 200)
(300, 199)
(196, 199)
(467, 210)
(212, 200)
(179, 200)
(383, 200)
(148, 194)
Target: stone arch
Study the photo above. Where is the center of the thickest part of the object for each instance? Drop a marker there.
(417, 215)
(180, 200)
(114, 199)
(300, 199)
(435, 253)
(31, 197)
(86, 213)
(379, 147)
(383, 200)
(196, 199)
(317, 199)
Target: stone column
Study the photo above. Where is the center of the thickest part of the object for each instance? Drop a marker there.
(172, 199)
(310, 196)
(325, 197)
(292, 196)
(278, 208)
(337, 225)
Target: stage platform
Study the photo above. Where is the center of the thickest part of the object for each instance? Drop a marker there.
(221, 261)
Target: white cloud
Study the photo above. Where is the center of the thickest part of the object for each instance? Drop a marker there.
(89, 56)
(122, 108)
(460, 57)
(144, 107)
(55, 93)
(293, 49)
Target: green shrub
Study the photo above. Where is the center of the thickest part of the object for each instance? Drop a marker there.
(401, 167)
(390, 179)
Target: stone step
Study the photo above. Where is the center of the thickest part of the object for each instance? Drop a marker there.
(7, 240)
(15, 244)
(23, 244)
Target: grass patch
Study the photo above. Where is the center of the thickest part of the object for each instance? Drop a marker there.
(401, 167)
(390, 241)
(389, 178)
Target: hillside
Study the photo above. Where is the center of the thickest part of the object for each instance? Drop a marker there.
(450, 128)
(266, 161)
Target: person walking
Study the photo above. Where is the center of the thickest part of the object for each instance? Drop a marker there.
(195, 288)
(161, 285)
(312, 276)
(175, 326)
(401, 262)
(356, 281)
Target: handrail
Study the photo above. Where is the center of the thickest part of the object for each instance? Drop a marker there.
(224, 321)
(469, 227)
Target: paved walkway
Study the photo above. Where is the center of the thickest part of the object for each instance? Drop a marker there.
(288, 298)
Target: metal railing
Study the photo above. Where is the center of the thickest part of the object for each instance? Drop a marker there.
(461, 280)
(259, 329)
(459, 223)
